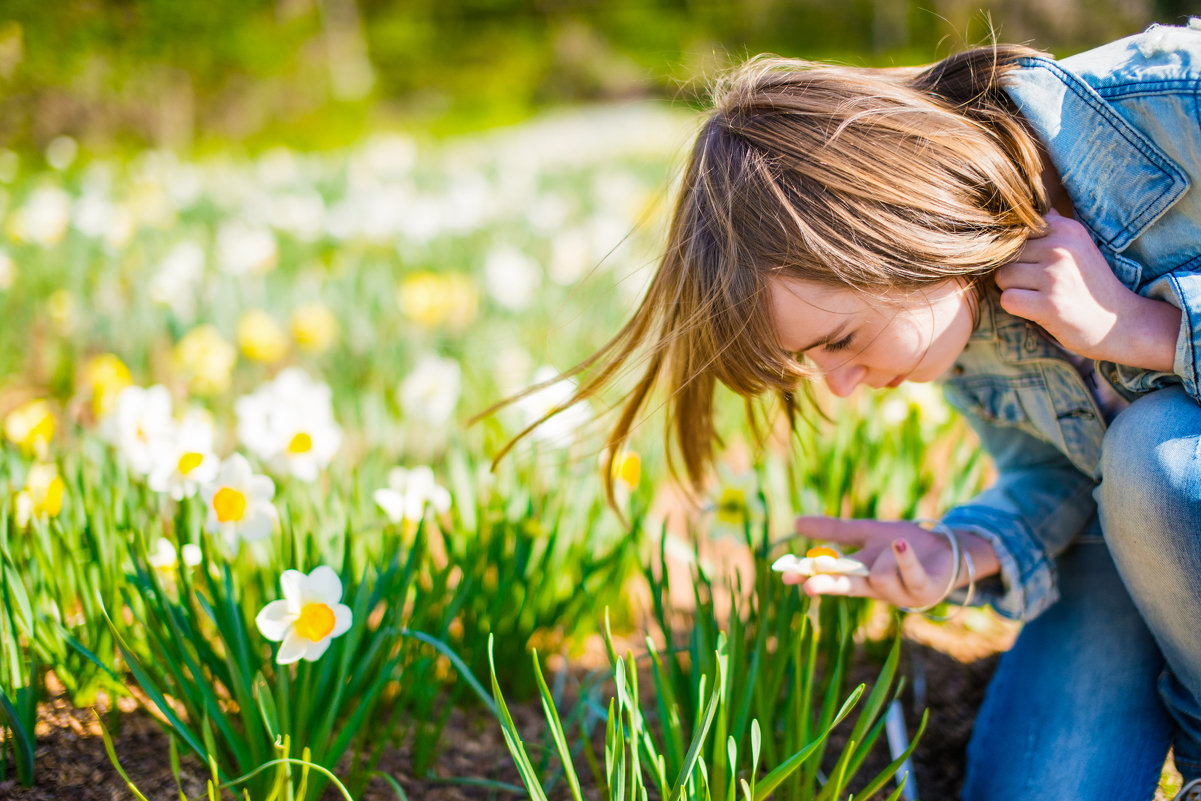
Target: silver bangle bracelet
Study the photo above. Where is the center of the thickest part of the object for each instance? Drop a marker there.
(939, 528)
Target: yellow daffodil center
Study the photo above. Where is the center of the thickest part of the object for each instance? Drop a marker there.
(629, 471)
(301, 443)
(822, 550)
(229, 504)
(315, 623)
(189, 462)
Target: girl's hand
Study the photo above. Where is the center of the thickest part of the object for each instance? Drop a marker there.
(909, 565)
(1063, 283)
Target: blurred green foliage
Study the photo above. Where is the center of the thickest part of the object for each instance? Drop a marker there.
(319, 72)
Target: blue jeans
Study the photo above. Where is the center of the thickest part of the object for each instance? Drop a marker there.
(1087, 701)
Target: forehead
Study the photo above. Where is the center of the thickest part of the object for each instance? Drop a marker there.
(805, 311)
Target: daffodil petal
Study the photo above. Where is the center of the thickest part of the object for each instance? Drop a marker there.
(256, 526)
(343, 618)
(275, 620)
(314, 650)
(235, 471)
(262, 487)
(839, 565)
(293, 648)
(788, 563)
(392, 502)
(323, 585)
(292, 583)
(812, 566)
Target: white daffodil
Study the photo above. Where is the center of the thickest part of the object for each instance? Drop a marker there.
(409, 492)
(192, 554)
(243, 250)
(560, 430)
(926, 400)
(44, 217)
(177, 279)
(511, 277)
(239, 502)
(140, 425)
(429, 393)
(308, 617)
(163, 556)
(185, 461)
(309, 444)
(289, 423)
(818, 561)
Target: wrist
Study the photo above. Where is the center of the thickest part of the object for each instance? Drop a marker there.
(1152, 333)
(982, 554)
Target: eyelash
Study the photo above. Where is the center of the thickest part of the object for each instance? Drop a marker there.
(841, 344)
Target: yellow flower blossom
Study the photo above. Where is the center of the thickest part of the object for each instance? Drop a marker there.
(261, 338)
(314, 327)
(206, 360)
(31, 427)
(101, 380)
(42, 496)
(435, 299)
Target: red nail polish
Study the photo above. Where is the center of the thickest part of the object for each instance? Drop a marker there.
(900, 545)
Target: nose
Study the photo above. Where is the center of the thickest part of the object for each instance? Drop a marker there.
(843, 379)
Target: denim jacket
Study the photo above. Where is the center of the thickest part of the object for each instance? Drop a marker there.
(1122, 124)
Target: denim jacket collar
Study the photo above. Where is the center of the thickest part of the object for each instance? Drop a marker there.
(1119, 181)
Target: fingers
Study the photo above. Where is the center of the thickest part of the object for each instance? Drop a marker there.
(848, 532)
(1027, 303)
(913, 575)
(1021, 275)
(897, 577)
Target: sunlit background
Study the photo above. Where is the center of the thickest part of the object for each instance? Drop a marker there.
(260, 263)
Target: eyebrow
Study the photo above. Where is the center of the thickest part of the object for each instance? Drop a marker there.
(833, 336)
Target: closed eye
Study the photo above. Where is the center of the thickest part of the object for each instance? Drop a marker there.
(841, 344)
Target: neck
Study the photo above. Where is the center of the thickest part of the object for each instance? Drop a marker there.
(1057, 196)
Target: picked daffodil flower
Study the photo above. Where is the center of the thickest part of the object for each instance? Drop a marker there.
(308, 617)
(818, 561)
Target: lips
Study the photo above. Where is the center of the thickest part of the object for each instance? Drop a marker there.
(896, 382)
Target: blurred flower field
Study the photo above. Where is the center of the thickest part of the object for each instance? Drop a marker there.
(238, 483)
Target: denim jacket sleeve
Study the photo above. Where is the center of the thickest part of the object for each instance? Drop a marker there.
(1039, 503)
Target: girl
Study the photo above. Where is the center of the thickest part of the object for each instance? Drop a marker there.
(1027, 232)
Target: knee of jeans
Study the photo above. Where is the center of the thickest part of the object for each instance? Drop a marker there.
(1150, 462)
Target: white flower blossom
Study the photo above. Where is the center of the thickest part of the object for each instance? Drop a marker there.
(239, 503)
(140, 425)
(408, 494)
(309, 616)
(820, 560)
(185, 461)
(429, 393)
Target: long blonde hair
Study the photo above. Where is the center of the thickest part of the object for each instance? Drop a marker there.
(878, 180)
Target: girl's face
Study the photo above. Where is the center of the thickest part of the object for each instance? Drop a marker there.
(854, 339)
